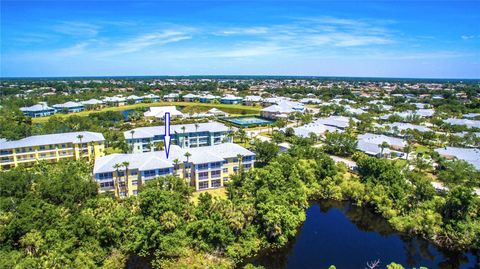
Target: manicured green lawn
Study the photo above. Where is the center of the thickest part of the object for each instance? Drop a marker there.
(219, 192)
(111, 150)
(421, 148)
(232, 109)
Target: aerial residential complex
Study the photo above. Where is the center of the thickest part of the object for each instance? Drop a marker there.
(51, 148)
(203, 167)
(38, 110)
(147, 139)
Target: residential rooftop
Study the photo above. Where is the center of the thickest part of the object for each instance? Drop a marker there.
(40, 140)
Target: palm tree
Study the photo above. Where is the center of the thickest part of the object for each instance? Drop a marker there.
(132, 132)
(116, 183)
(80, 137)
(230, 134)
(408, 148)
(383, 146)
(187, 155)
(160, 145)
(126, 164)
(242, 134)
(239, 158)
(196, 130)
(176, 162)
(183, 130)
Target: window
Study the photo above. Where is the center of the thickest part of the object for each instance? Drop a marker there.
(121, 173)
(203, 175)
(133, 172)
(134, 182)
(215, 165)
(149, 173)
(225, 179)
(122, 184)
(122, 194)
(42, 147)
(247, 158)
(235, 169)
(203, 185)
(235, 160)
(164, 171)
(216, 174)
(135, 192)
(216, 183)
(107, 184)
(225, 170)
(247, 166)
(203, 166)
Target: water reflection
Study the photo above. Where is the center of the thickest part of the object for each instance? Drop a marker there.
(348, 236)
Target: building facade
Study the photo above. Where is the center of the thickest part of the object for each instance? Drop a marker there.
(38, 110)
(69, 107)
(51, 148)
(146, 139)
(203, 168)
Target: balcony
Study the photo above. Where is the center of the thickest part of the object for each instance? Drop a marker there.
(109, 188)
(202, 168)
(26, 159)
(216, 174)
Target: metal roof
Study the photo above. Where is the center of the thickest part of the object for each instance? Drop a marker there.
(149, 132)
(157, 159)
(39, 140)
(467, 154)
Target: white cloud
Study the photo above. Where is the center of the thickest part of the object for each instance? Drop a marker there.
(76, 29)
(467, 37)
(144, 41)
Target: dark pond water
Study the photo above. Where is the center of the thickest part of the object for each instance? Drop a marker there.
(349, 236)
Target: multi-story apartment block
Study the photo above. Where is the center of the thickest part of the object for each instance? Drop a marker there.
(147, 139)
(203, 167)
(51, 148)
(38, 110)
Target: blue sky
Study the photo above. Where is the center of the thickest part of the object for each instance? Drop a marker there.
(429, 39)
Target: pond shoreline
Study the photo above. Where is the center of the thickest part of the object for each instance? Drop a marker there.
(367, 221)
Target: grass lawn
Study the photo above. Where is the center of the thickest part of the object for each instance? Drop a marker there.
(400, 163)
(266, 134)
(219, 192)
(421, 148)
(110, 150)
(232, 109)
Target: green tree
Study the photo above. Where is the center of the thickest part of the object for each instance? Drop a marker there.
(341, 144)
(265, 151)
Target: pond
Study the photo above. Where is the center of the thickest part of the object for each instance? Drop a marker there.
(348, 236)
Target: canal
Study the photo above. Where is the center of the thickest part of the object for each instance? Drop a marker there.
(347, 236)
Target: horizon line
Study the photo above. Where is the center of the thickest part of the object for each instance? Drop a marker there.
(239, 76)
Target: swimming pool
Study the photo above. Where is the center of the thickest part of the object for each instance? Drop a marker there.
(249, 121)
